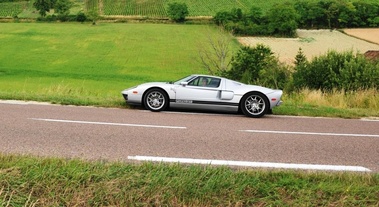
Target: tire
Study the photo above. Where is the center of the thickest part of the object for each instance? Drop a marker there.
(155, 100)
(254, 105)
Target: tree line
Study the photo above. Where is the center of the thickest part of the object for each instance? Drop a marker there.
(283, 19)
(280, 20)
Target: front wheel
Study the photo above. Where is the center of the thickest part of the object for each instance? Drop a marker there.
(155, 100)
(254, 105)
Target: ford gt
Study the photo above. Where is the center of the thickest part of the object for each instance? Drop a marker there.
(206, 93)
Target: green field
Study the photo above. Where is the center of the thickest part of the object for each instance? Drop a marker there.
(92, 64)
(146, 8)
(158, 8)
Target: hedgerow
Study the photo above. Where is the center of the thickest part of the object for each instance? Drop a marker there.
(342, 71)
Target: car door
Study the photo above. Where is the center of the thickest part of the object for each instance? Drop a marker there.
(202, 90)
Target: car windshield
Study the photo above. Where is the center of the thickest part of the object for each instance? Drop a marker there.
(186, 79)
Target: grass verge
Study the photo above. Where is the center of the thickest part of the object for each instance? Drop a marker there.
(357, 104)
(36, 181)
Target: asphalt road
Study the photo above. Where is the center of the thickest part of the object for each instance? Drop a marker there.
(133, 134)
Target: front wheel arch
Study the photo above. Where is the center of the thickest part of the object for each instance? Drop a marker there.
(254, 104)
(160, 90)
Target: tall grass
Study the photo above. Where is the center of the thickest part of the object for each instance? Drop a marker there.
(352, 104)
(367, 98)
(33, 181)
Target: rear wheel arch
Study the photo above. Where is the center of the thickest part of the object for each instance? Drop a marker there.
(249, 112)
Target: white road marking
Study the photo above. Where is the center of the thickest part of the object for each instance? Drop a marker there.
(16, 102)
(370, 119)
(107, 123)
(252, 164)
(311, 133)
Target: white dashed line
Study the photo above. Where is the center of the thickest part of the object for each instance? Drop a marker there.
(370, 119)
(107, 123)
(252, 164)
(311, 133)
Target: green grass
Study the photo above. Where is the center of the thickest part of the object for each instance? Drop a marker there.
(36, 181)
(94, 63)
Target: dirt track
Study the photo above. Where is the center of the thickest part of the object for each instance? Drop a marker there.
(371, 35)
(317, 42)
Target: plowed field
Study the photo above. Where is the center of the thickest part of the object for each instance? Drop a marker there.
(318, 42)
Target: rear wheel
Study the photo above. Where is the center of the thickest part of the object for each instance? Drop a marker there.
(155, 100)
(254, 105)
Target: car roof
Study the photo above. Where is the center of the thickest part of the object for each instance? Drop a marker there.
(212, 76)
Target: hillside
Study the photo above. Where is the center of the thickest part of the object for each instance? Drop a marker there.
(143, 8)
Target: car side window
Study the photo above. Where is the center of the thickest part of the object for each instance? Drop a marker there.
(205, 82)
(214, 82)
(194, 82)
(199, 81)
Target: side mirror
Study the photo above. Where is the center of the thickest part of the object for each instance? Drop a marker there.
(183, 83)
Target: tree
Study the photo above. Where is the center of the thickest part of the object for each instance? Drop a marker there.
(255, 15)
(81, 17)
(300, 58)
(221, 18)
(311, 14)
(215, 54)
(258, 65)
(93, 14)
(282, 20)
(43, 6)
(366, 14)
(301, 73)
(62, 7)
(247, 63)
(177, 11)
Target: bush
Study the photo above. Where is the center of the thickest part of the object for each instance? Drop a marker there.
(221, 18)
(258, 65)
(337, 71)
(48, 18)
(81, 17)
(177, 11)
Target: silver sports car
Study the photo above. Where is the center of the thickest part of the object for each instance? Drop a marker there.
(205, 92)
